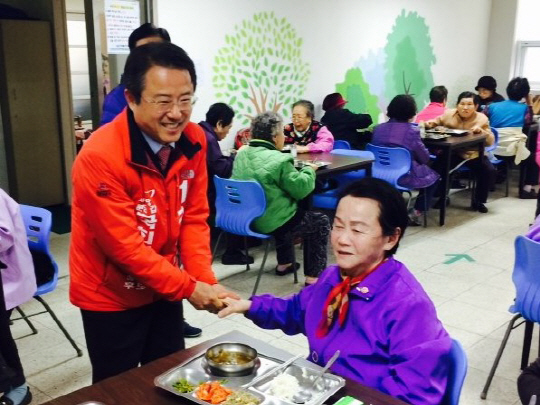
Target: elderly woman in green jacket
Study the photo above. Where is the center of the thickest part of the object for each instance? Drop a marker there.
(284, 185)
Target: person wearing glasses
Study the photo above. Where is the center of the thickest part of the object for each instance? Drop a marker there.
(140, 240)
(305, 132)
(115, 101)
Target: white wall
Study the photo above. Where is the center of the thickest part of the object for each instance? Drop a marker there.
(501, 50)
(336, 36)
(528, 28)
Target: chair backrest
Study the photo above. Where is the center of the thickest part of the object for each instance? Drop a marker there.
(526, 278)
(339, 144)
(38, 223)
(238, 203)
(494, 146)
(390, 163)
(353, 152)
(456, 376)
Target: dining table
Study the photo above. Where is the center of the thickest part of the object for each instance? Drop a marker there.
(447, 146)
(336, 164)
(137, 386)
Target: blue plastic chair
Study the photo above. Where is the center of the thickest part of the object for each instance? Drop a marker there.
(329, 198)
(456, 377)
(38, 222)
(526, 278)
(390, 164)
(238, 204)
(339, 144)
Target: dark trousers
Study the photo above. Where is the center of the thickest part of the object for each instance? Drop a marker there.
(121, 340)
(11, 370)
(483, 171)
(425, 197)
(528, 169)
(315, 229)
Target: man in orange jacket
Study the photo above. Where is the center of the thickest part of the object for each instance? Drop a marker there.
(140, 241)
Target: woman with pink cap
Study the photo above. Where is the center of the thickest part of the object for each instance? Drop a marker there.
(345, 124)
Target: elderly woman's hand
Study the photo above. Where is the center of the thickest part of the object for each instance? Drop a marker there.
(233, 306)
(302, 149)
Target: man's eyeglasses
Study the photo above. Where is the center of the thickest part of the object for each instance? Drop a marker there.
(163, 106)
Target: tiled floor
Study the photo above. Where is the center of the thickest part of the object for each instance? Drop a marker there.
(472, 300)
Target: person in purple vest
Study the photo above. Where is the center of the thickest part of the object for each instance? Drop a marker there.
(115, 102)
(401, 132)
(219, 120)
(368, 305)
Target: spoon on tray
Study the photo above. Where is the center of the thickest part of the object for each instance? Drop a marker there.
(305, 395)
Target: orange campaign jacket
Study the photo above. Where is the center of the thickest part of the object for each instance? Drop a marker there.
(130, 224)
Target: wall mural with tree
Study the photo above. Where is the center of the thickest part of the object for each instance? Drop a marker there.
(261, 67)
(356, 91)
(403, 66)
(409, 58)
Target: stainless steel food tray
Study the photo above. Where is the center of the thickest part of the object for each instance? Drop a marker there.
(195, 371)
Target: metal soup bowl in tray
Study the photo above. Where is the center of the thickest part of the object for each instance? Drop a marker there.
(231, 359)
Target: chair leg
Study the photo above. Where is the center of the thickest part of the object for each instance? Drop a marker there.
(247, 252)
(507, 180)
(30, 324)
(527, 338)
(266, 249)
(216, 246)
(483, 395)
(294, 266)
(66, 334)
(425, 209)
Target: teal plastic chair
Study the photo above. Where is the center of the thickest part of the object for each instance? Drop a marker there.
(238, 204)
(391, 163)
(526, 278)
(38, 222)
(456, 377)
(339, 144)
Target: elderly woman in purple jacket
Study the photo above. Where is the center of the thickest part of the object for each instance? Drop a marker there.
(368, 305)
(400, 131)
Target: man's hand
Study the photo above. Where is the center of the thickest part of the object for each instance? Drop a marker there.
(222, 292)
(234, 307)
(476, 129)
(205, 297)
(429, 124)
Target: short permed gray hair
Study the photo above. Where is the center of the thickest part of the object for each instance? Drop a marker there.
(266, 126)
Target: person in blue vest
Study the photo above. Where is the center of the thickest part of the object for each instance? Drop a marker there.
(115, 102)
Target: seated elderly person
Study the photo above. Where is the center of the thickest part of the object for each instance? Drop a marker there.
(466, 117)
(509, 117)
(263, 161)
(309, 135)
(368, 305)
(219, 120)
(400, 132)
(438, 96)
(344, 124)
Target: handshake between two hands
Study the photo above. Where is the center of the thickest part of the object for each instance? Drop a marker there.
(218, 300)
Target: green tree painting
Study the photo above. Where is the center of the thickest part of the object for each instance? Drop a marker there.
(409, 58)
(356, 91)
(260, 68)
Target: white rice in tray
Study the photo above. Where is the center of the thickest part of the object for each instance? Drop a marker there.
(284, 386)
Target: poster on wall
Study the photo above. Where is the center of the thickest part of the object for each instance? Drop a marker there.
(121, 18)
